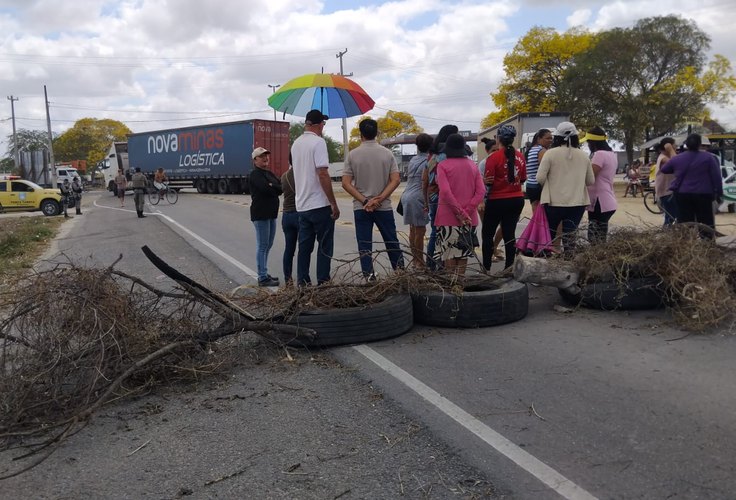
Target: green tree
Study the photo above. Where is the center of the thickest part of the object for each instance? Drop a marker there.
(534, 69)
(334, 148)
(28, 140)
(646, 80)
(393, 124)
(89, 139)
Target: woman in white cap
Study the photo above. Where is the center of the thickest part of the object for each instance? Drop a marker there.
(265, 189)
(564, 173)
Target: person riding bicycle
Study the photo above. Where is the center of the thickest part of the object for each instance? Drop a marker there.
(160, 180)
(634, 180)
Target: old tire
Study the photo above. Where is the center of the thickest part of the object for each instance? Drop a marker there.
(356, 325)
(635, 294)
(201, 186)
(50, 207)
(499, 302)
(212, 186)
(223, 186)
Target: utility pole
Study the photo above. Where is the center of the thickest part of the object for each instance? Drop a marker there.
(16, 160)
(274, 87)
(344, 121)
(48, 127)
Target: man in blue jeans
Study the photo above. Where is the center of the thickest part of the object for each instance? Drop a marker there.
(370, 176)
(315, 200)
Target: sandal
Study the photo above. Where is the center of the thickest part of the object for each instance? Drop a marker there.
(498, 256)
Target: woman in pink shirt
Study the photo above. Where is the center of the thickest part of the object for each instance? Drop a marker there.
(603, 203)
(461, 191)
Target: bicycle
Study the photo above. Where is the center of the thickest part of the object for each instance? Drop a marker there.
(155, 195)
(650, 202)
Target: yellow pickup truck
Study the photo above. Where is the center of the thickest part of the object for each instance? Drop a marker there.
(19, 194)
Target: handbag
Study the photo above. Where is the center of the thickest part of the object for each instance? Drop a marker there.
(400, 208)
(536, 238)
(467, 239)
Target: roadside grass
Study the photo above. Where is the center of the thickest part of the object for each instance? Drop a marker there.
(22, 241)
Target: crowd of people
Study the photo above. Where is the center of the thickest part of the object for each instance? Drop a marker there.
(452, 194)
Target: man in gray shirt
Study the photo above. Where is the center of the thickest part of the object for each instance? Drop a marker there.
(370, 176)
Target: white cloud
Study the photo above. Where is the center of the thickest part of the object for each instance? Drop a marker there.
(125, 59)
(579, 17)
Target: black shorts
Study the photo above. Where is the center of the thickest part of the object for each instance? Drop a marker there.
(534, 193)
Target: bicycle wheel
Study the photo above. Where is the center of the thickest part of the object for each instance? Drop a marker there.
(154, 196)
(651, 203)
(172, 196)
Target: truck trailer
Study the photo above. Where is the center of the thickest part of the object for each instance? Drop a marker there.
(526, 125)
(212, 158)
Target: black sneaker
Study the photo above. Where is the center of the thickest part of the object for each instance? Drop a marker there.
(268, 282)
(272, 277)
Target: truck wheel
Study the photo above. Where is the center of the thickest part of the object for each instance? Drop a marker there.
(113, 188)
(211, 186)
(223, 186)
(50, 207)
(201, 186)
(234, 186)
(246, 186)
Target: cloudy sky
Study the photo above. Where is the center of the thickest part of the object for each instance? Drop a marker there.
(156, 64)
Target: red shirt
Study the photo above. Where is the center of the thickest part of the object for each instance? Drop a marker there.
(497, 175)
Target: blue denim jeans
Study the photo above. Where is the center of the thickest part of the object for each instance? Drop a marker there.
(265, 233)
(314, 225)
(669, 205)
(384, 220)
(290, 226)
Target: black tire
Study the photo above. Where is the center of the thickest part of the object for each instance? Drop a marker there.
(635, 294)
(50, 207)
(113, 188)
(212, 186)
(246, 186)
(154, 197)
(356, 325)
(172, 195)
(234, 186)
(223, 186)
(201, 186)
(651, 204)
(499, 302)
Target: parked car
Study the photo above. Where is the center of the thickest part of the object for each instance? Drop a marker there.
(18, 194)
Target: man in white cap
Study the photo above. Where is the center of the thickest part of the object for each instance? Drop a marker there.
(315, 200)
(265, 189)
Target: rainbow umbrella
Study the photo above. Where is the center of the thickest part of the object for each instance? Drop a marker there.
(334, 95)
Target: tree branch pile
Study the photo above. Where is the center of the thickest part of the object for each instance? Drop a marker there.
(73, 339)
(698, 276)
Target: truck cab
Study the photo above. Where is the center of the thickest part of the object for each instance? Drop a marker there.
(64, 172)
(117, 158)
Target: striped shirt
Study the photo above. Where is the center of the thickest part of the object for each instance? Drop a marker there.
(532, 165)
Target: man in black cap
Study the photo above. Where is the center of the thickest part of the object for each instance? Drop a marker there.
(315, 200)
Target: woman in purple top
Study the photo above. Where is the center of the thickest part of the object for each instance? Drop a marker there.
(603, 203)
(697, 183)
(461, 190)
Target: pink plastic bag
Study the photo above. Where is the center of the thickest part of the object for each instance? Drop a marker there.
(536, 239)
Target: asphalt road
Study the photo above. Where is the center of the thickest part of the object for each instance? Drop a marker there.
(580, 405)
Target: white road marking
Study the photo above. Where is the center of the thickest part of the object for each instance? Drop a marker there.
(523, 459)
(232, 260)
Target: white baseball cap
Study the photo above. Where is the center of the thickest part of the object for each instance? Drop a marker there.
(258, 152)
